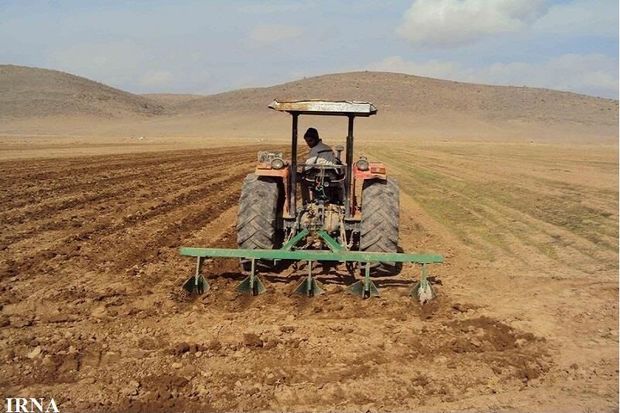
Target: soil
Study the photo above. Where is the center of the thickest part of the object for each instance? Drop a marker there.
(93, 314)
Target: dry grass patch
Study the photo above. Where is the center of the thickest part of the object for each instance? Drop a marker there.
(501, 198)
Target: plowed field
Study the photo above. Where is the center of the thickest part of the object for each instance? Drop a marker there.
(526, 318)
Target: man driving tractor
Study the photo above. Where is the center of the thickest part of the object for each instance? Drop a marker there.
(320, 153)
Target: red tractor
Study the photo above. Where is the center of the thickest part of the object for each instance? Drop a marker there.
(356, 203)
(348, 212)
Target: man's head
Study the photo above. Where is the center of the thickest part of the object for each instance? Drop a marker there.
(312, 137)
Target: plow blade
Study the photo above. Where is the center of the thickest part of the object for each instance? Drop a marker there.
(196, 285)
(309, 287)
(363, 289)
(251, 285)
(423, 290)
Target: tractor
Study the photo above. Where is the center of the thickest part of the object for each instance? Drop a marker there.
(330, 212)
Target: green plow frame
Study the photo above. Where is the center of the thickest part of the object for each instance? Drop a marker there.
(422, 289)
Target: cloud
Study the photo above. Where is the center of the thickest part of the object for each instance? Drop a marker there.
(453, 23)
(595, 74)
(592, 74)
(273, 33)
(250, 43)
(581, 17)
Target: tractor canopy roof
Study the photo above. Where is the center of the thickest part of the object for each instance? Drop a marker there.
(325, 107)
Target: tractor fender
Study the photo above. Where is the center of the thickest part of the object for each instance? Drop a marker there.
(376, 170)
(283, 174)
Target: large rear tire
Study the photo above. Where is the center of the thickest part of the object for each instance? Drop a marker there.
(260, 217)
(380, 222)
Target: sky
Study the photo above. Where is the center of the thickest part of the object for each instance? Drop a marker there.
(206, 47)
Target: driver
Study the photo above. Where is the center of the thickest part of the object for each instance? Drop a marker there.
(320, 153)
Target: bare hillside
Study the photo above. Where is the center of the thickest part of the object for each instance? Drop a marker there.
(47, 102)
(416, 96)
(413, 107)
(27, 92)
(171, 99)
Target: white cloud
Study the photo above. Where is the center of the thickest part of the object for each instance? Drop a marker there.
(453, 23)
(581, 17)
(267, 34)
(592, 74)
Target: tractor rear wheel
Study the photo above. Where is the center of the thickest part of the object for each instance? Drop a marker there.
(259, 218)
(380, 222)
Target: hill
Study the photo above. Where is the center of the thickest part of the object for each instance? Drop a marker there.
(410, 100)
(170, 99)
(27, 92)
(40, 101)
(401, 93)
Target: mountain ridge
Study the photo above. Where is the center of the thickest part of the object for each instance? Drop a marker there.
(407, 105)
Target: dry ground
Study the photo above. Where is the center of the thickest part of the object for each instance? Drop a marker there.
(93, 315)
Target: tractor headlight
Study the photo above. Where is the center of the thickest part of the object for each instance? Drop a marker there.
(277, 163)
(362, 165)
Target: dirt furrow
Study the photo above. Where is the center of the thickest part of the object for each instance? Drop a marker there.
(59, 170)
(73, 245)
(78, 209)
(74, 180)
(118, 176)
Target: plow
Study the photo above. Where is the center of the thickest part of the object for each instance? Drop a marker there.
(348, 212)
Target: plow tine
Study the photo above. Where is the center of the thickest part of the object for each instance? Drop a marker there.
(309, 286)
(423, 290)
(252, 284)
(357, 288)
(365, 288)
(197, 284)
